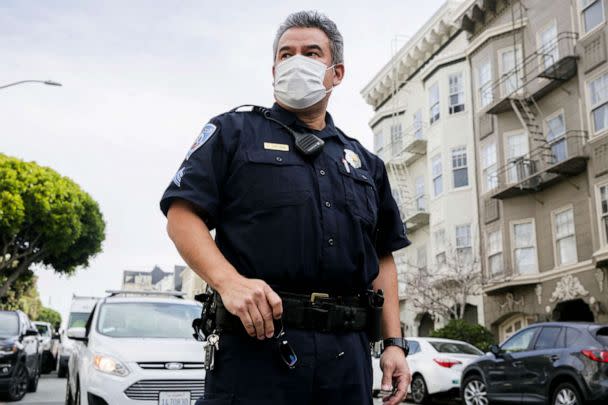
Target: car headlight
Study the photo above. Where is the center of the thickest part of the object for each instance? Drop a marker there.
(10, 349)
(109, 365)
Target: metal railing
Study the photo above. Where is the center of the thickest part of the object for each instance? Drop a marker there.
(544, 62)
(527, 171)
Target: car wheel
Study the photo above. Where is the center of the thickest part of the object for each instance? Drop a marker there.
(69, 400)
(420, 395)
(566, 394)
(18, 383)
(62, 370)
(32, 383)
(475, 392)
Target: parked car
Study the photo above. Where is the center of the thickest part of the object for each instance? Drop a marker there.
(48, 341)
(19, 355)
(79, 313)
(137, 348)
(436, 365)
(555, 362)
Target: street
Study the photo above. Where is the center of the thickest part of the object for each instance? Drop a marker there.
(51, 391)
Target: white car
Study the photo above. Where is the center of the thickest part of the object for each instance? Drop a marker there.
(137, 349)
(436, 365)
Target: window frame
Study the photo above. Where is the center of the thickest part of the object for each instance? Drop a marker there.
(485, 169)
(554, 214)
(419, 193)
(460, 91)
(480, 86)
(439, 176)
(591, 107)
(439, 247)
(462, 148)
(396, 134)
(470, 237)
(432, 118)
(518, 58)
(603, 232)
(582, 10)
(539, 45)
(521, 132)
(490, 254)
(417, 124)
(512, 225)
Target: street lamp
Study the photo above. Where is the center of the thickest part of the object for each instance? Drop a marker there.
(47, 82)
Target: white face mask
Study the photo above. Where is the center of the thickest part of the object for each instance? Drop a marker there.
(298, 82)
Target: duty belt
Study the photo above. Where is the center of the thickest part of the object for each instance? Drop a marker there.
(316, 311)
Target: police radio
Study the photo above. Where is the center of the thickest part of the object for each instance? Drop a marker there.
(307, 144)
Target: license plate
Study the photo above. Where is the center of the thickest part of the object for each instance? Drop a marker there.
(174, 398)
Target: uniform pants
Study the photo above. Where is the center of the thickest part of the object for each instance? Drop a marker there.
(331, 369)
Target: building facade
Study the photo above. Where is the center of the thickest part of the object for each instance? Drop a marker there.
(191, 283)
(155, 280)
(539, 81)
(422, 127)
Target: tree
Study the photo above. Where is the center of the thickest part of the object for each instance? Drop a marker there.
(51, 316)
(45, 219)
(444, 289)
(459, 329)
(23, 295)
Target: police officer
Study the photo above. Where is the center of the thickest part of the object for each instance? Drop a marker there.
(305, 223)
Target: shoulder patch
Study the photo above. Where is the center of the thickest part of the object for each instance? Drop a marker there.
(206, 134)
(177, 179)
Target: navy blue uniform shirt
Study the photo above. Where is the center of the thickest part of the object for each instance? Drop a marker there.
(300, 224)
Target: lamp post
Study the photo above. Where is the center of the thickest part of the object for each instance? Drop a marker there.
(47, 82)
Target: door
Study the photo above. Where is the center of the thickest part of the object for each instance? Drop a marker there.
(504, 374)
(539, 364)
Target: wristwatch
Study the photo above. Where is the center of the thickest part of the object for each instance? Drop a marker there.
(399, 342)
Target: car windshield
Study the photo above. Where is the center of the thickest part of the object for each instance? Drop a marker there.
(43, 330)
(147, 319)
(9, 324)
(78, 319)
(455, 348)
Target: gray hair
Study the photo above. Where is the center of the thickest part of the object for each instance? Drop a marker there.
(314, 19)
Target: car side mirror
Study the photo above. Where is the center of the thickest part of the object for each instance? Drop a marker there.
(496, 351)
(31, 332)
(78, 334)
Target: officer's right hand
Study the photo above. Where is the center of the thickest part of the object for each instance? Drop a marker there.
(254, 302)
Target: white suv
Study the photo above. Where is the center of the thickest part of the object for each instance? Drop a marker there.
(137, 349)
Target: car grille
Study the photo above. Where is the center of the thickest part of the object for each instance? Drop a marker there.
(147, 390)
(151, 365)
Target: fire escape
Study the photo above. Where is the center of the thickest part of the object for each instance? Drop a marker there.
(553, 154)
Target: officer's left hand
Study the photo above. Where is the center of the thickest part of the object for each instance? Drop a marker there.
(395, 372)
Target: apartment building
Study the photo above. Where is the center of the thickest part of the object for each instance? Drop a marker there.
(422, 127)
(539, 84)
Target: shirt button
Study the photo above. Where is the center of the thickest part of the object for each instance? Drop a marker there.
(327, 204)
(330, 241)
(279, 159)
(322, 172)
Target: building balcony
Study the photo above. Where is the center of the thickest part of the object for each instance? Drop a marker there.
(416, 215)
(547, 164)
(536, 75)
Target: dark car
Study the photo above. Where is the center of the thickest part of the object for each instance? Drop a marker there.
(19, 355)
(557, 363)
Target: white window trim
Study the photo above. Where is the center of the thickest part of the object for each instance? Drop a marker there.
(466, 155)
(436, 251)
(429, 109)
(433, 177)
(501, 72)
(581, 20)
(513, 247)
(450, 94)
(539, 44)
(505, 150)
(484, 187)
(479, 85)
(554, 213)
(470, 246)
(489, 273)
(591, 107)
(598, 202)
(555, 114)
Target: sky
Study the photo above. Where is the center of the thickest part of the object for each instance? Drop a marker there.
(140, 79)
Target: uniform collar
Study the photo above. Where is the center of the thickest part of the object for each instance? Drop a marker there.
(289, 118)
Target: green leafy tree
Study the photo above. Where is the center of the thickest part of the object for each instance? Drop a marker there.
(51, 316)
(474, 334)
(45, 219)
(23, 295)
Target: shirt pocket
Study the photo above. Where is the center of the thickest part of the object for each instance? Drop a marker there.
(275, 179)
(359, 192)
